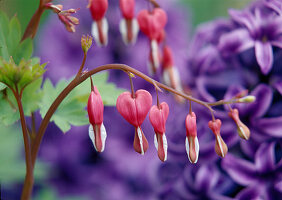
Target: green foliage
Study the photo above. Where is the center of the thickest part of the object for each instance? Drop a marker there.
(10, 37)
(19, 76)
(72, 109)
(12, 167)
(49, 193)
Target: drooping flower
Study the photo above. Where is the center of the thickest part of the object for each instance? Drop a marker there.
(100, 25)
(134, 109)
(97, 131)
(128, 26)
(220, 146)
(152, 24)
(158, 116)
(170, 72)
(191, 142)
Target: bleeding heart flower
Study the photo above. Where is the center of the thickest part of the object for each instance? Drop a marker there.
(192, 142)
(242, 129)
(134, 110)
(152, 23)
(170, 72)
(97, 131)
(128, 26)
(100, 26)
(220, 146)
(158, 117)
(154, 58)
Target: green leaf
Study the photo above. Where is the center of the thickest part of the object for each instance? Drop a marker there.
(31, 97)
(72, 110)
(10, 37)
(4, 32)
(8, 113)
(12, 168)
(2, 86)
(50, 193)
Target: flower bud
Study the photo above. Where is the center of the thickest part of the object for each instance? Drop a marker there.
(135, 110)
(158, 117)
(247, 99)
(86, 42)
(242, 129)
(192, 143)
(220, 147)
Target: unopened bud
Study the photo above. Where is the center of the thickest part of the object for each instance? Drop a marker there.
(242, 129)
(86, 42)
(247, 99)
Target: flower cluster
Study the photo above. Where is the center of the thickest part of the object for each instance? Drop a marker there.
(151, 22)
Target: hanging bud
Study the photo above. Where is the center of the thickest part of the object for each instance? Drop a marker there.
(100, 26)
(152, 25)
(170, 72)
(242, 129)
(220, 146)
(128, 26)
(158, 117)
(134, 110)
(192, 143)
(97, 131)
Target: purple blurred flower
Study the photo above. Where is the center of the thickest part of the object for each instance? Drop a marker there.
(262, 178)
(258, 31)
(202, 182)
(275, 5)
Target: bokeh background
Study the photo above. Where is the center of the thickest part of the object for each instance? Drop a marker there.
(70, 168)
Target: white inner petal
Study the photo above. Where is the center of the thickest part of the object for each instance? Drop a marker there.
(165, 146)
(243, 132)
(103, 136)
(155, 53)
(92, 135)
(123, 30)
(197, 148)
(95, 32)
(177, 78)
(187, 148)
(150, 68)
(139, 132)
(156, 142)
(166, 78)
(105, 29)
(220, 145)
(135, 30)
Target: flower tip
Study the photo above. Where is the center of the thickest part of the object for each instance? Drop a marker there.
(86, 42)
(140, 143)
(247, 99)
(160, 142)
(98, 136)
(243, 131)
(192, 148)
(220, 147)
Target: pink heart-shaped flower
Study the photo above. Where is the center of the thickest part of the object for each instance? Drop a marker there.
(152, 23)
(158, 117)
(98, 8)
(134, 110)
